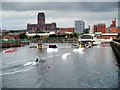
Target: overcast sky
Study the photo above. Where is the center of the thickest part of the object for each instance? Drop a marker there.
(16, 15)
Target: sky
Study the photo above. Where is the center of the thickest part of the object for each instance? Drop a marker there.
(16, 15)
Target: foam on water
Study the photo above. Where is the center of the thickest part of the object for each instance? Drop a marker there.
(23, 70)
(18, 61)
(64, 56)
(30, 63)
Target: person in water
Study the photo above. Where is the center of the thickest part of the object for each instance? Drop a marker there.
(36, 59)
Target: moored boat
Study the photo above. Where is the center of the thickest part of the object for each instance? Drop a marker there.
(10, 50)
(52, 48)
(75, 46)
(80, 49)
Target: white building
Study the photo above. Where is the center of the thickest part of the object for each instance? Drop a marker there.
(91, 29)
(79, 26)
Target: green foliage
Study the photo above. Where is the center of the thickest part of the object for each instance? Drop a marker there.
(74, 35)
(23, 36)
(17, 31)
(52, 36)
(86, 30)
(29, 38)
(61, 36)
(36, 37)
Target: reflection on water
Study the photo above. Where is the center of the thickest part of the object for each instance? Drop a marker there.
(95, 68)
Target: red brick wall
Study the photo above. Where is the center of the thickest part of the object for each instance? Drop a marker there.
(113, 30)
(64, 30)
(100, 28)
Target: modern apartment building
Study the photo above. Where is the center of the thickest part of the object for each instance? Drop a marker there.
(79, 26)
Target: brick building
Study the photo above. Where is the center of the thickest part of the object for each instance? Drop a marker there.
(113, 23)
(11, 36)
(66, 30)
(99, 28)
(41, 25)
(113, 28)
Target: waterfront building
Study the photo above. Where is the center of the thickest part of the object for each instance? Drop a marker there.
(41, 26)
(91, 30)
(79, 26)
(65, 31)
(113, 23)
(118, 29)
(113, 28)
(101, 27)
(13, 36)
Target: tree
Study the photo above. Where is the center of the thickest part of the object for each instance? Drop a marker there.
(86, 30)
(36, 37)
(75, 34)
(23, 36)
(52, 36)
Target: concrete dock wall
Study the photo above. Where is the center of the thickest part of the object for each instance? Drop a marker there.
(116, 47)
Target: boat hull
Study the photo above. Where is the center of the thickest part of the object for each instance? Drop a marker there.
(52, 49)
(10, 50)
(80, 50)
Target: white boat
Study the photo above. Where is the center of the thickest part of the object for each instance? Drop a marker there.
(79, 50)
(52, 48)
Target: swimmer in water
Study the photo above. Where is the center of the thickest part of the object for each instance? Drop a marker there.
(36, 59)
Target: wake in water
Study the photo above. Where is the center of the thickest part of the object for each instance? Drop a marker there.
(18, 71)
(19, 68)
(23, 67)
(18, 61)
(64, 56)
(30, 63)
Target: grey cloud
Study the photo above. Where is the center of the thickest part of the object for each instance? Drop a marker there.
(18, 14)
(61, 1)
(68, 6)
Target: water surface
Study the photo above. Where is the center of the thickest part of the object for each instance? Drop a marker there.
(95, 68)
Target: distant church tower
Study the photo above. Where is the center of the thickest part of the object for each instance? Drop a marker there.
(41, 21)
